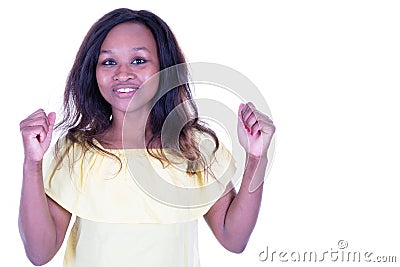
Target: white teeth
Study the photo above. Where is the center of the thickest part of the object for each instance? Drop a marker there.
(125, 90)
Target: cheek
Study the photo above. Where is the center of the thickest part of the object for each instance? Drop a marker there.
(101, 79)
(102, 84)
(98, 75)
(151, 77)
(151, 81)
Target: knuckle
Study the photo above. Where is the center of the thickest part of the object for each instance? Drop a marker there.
(251, 105)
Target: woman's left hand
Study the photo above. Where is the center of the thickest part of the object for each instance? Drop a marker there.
(255, 130)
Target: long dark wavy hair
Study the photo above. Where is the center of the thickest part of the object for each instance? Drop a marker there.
(87, 114)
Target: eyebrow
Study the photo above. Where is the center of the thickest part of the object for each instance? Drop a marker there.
(135, 49)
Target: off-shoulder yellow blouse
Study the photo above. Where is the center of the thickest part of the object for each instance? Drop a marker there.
(140, 213)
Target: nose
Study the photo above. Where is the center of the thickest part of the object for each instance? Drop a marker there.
(124, 73)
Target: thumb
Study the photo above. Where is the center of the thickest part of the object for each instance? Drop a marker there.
(52, 118)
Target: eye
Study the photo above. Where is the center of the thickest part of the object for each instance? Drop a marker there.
(108, 62)
(138, 61)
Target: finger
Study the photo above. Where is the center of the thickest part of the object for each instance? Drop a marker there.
(42, 136)
(244, 108)
(263, 117)
(34, 132)
(249, 116)
(263, 127)
(52, 119)
(40, 110)
(250, 123)
(34, 116)
(244, 117)
(240, 116)
(250, 108)
(40, 121)
(251, 105)
(37, 114)
(38, 117)
(245, 112)
(259, 118)
(253, 117)
(240, 111)
(255, 128)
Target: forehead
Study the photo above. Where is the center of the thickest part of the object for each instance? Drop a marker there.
(131, 34)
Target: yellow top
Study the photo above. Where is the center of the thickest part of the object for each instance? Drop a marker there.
(140, 213)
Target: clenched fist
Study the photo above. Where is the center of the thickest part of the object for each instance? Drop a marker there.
(255, 130)
(37, 130)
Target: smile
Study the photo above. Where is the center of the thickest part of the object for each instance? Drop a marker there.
(125, 90)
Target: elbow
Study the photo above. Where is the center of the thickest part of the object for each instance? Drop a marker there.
(37, 261)
(234, 243)
(38, 252)
(235, 247)
(38, 258)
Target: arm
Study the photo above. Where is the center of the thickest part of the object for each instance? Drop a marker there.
(42, 222)
(233, 217)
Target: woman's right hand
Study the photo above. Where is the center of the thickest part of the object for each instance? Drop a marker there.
(37, 130)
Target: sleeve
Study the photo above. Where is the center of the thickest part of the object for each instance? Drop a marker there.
(220, 169)
(61, 181)
(221, 164)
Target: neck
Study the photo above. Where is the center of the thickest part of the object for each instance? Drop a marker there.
(127, 131)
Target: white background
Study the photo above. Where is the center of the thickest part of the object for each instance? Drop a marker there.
(329, 71)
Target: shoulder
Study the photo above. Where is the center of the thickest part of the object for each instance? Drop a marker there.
(219, 162)
(69, 156)
(211, 147)
(67, 147)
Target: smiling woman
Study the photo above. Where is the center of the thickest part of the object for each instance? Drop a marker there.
(117, 223)
(128, 57)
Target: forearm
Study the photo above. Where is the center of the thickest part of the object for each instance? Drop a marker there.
(241, 216)
(37, 228)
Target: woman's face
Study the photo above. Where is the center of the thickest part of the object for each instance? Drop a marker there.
(128, 57)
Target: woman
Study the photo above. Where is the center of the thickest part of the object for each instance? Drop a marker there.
(114, 89)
